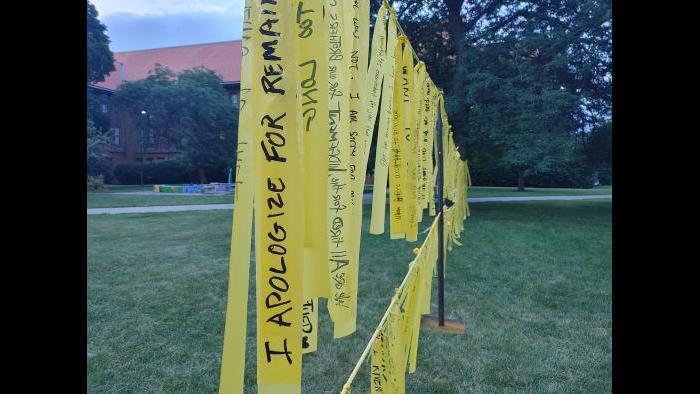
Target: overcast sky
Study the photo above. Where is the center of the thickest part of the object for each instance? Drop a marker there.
(142, 24)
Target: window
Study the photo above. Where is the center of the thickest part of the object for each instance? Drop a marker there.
(103, 107)
(149, 159)
(151, 137)
(116, 135)
(234, 100)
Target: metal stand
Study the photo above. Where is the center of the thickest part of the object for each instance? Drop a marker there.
(429, 322)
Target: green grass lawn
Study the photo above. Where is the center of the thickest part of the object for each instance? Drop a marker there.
(488, 191)
(127, 188)
(532, 281)
(106, 200)
(109, 199)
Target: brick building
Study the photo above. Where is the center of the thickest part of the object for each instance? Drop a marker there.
(132, 145)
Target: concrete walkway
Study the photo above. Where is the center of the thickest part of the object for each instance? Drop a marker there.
(367, 198)
(540, 198)
(159, 208)
(146, 193)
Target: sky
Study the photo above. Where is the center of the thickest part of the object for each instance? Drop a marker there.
(143, 24)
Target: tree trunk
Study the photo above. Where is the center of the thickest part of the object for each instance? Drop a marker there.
(521, 180)
(202, 175)
(455, 24)
(457, 30)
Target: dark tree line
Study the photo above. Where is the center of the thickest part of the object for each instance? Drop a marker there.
(189, 110)
(527, 83)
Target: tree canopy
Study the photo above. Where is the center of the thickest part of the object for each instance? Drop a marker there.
(100, 61)
(190, 110)
(526, 81)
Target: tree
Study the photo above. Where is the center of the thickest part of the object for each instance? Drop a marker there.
(190, 110)
(100, 60)
(526, 80)
(598, 151)
(96, 142)
(514, 108)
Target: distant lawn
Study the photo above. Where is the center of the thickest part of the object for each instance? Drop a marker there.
(127, 188)
(104, 200)
(532, 281)
(489, 191)
(108, 199)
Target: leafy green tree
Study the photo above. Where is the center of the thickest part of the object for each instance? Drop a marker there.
(96, 142)
(525, 81)
(598, 151)
(100, 61)
(189, 110)
(515, 108)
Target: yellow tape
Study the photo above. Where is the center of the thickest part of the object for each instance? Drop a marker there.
(341, 296)
(383, 148)
(410, 145)
(419, 110)
(312, 104)
(279, 205)
(396, 166)
(233, 354)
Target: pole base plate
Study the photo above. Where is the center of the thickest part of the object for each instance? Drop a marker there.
(432, 323)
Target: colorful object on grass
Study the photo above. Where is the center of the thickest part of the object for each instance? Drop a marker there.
(194, 188)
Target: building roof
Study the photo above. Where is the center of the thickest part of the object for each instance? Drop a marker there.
(222, 57)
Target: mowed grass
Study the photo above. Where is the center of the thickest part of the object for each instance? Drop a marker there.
(127, 188)
(532, 281)
(110, 199)
(490, 191)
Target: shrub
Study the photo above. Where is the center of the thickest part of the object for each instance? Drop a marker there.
(573, 176)
(95, 183)
(100, 167)
(165, 171)
(127, 173)
(605, 177)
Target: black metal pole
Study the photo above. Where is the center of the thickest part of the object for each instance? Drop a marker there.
(441, 222)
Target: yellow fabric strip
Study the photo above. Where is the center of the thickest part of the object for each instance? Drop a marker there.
(433, 148)
(356, 24)
(381, 381)
(409, 151)
(420, 293)
(341, 296)
(312, 104)
(383, 148)
(419, 110)
(233, 354)
(427, 137)
(394, 340)
(373, 88)
(375, 73)
(279, 205)
(396, 165)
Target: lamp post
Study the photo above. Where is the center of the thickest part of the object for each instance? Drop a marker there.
(143, 144)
